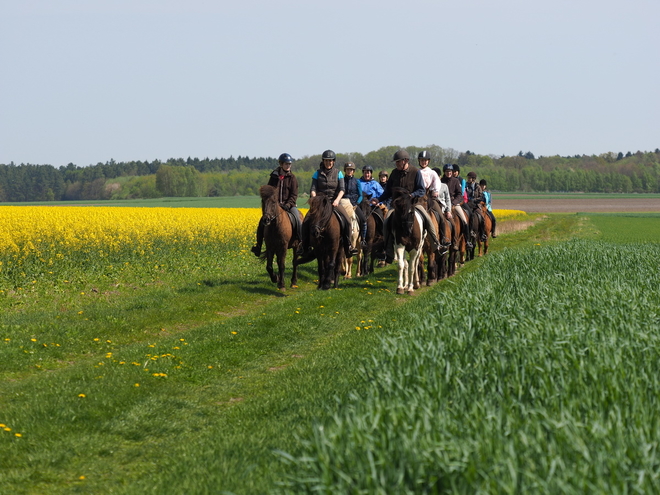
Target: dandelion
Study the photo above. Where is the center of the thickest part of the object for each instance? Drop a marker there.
(82, 396)
(18, 435)
(234, 333)
(33, 340)
(7, 428)
(136, 385)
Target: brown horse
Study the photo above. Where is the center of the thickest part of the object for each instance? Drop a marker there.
(458, 246)
(322, 231)
(429, 250)
(279, 236)
(408, 230)
(374, 240)
(482, 237)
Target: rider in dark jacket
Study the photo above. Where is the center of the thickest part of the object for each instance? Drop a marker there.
(330, 181)
(408, 177)
(287, 194)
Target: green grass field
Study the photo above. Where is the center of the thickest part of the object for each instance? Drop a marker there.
(212, 382)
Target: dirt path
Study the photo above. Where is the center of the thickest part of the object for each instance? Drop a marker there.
(574, 205)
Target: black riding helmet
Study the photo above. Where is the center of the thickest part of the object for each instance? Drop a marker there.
(285, 158)
(328, 155)
(367, 168)
(424, 155)
(447, 166)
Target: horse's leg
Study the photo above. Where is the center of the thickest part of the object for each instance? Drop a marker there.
(269, 264)
(414, 272)
(281, 259)
(400, 255)
(294, 277)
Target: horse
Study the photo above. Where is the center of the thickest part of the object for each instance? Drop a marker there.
(429, 250)
(409, 234)
(483, 236)
(458, 246)
(347, 264)
(374, 240)
(279, 236)
(322, 230)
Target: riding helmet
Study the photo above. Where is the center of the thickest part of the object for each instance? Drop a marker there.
(349, 165)
(367, 168)
(383, 173)
(285, 158)
(424, 155)
(472, 175)
(401, 155)
(447, 166)
(328, 155)
(483, 182)
(456, 167)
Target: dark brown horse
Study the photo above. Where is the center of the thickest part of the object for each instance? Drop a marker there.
(322, 231)
(458, 246)
(408, 229)
(374, 240)
(278, 236)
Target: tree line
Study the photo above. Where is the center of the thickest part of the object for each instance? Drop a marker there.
(608, 172)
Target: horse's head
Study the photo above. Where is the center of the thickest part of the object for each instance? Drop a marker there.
(318, 216)
(269, 205)
(403, 209)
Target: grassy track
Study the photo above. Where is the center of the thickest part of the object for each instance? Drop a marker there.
(252, 372)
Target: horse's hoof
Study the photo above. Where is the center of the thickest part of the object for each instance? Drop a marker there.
(400, 290)
(411, 292)
(430, 282)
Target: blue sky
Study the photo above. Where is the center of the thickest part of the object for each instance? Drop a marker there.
(89, 81)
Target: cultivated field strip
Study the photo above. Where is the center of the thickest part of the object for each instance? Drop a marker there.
(541, 374)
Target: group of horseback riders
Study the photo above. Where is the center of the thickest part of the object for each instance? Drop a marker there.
(447, 194)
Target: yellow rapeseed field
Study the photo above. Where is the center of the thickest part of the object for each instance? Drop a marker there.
(47, 234)
(32, 229)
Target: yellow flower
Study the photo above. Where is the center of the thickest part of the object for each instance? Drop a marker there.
(18, 435)
(82, 396)
(137, 385)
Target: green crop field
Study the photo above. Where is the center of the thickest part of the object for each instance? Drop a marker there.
(185, 371)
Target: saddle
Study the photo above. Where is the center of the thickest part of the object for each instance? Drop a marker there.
(294, 221)
(341, 218)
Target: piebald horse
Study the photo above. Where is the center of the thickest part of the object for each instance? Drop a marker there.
(409, 234)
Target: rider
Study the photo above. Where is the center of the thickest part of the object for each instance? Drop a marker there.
(461, 180)
(487, 197)
(408, 177)
(287, 194)
(473, 194)
(353, 189)
(370, 186)
(433, 184)
(456, 194)
(330, 181)
(382, 178)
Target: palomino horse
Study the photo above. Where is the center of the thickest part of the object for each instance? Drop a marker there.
(347, 264)
(409, 234)
(322, 231)
(279, 235)
(374, 240)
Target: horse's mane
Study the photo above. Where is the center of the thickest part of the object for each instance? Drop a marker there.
(401, 198)
(320, 210)
(267, 192)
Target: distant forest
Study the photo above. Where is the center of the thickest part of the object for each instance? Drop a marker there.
(608, 172)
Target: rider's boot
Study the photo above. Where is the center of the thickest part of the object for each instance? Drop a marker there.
(256, 249)
(363, 235)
